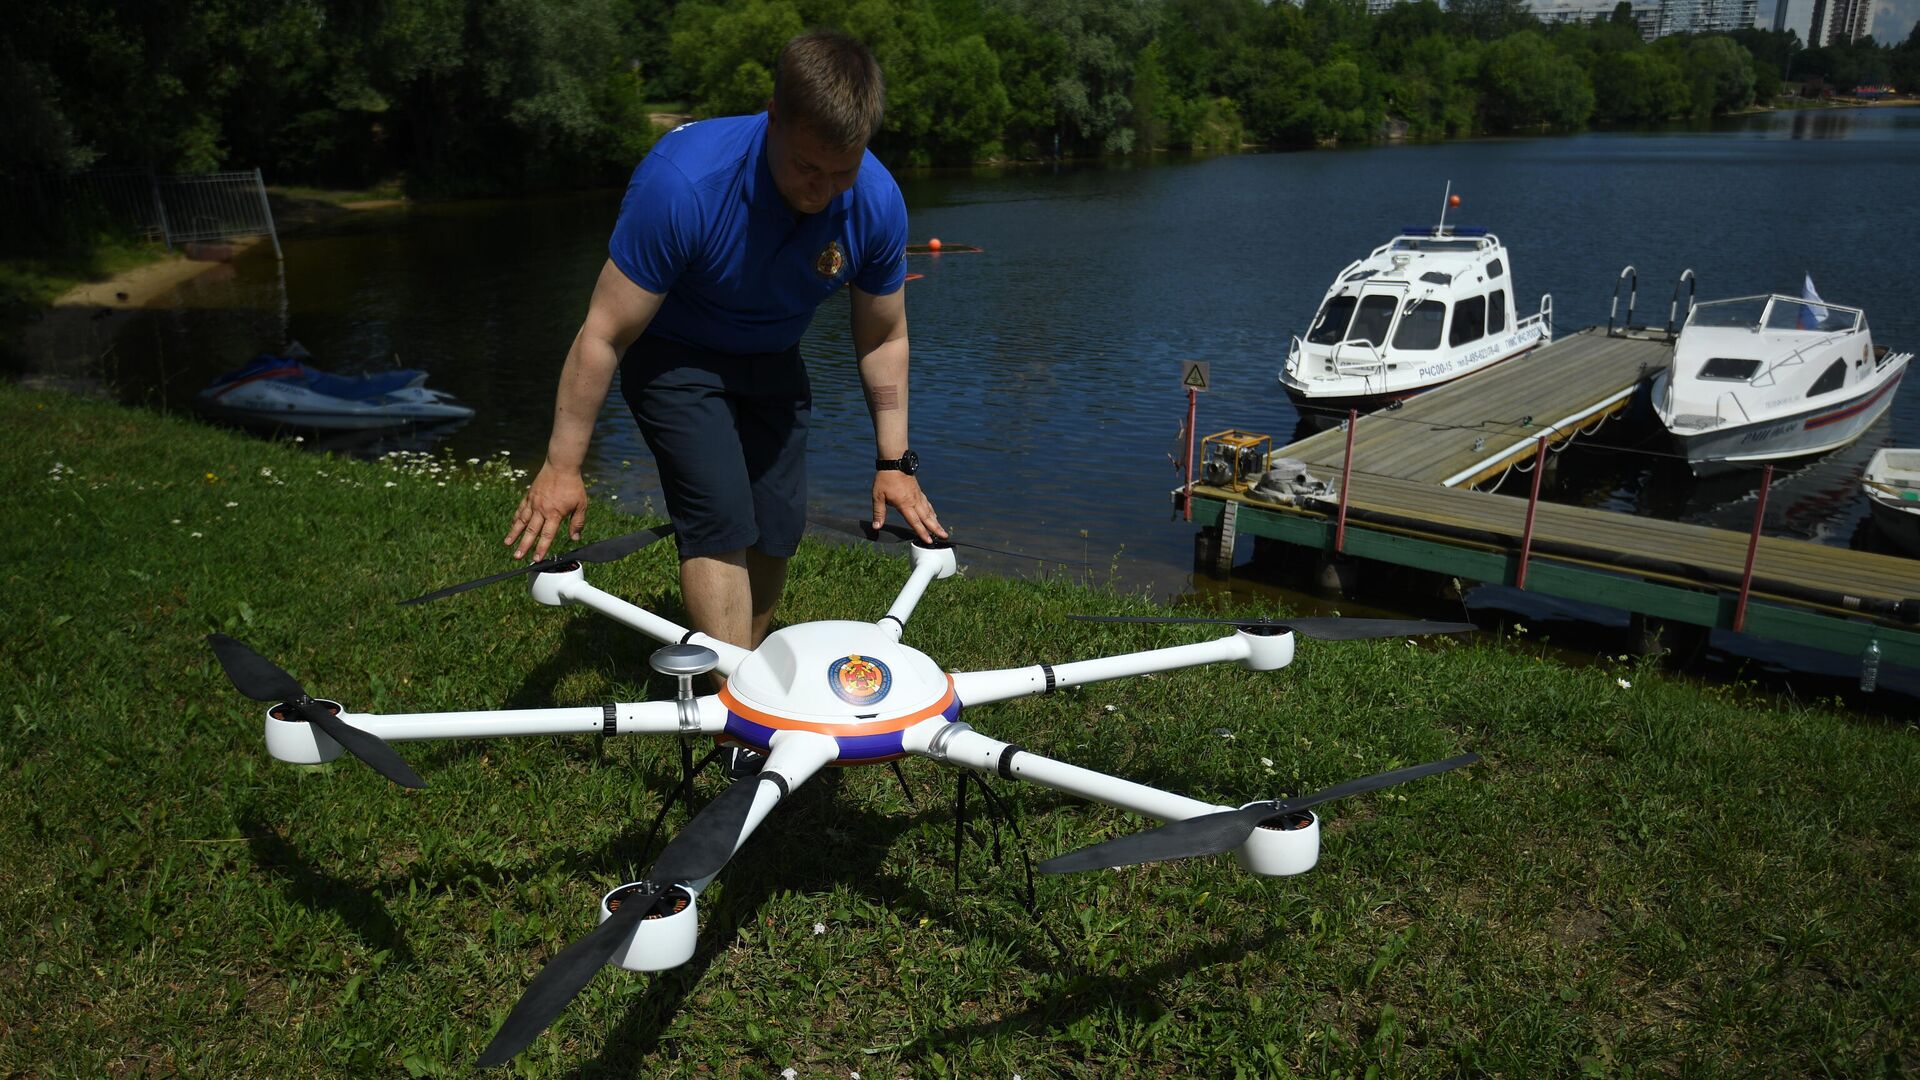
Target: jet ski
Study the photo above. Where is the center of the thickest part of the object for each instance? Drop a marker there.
(282, 389)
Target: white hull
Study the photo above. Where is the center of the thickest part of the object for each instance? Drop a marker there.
(1370, 392)
(1803, 434)
(278, 401)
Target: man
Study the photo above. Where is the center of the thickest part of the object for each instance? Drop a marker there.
(732, 232)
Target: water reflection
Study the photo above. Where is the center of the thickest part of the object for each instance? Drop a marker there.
(1821, 124)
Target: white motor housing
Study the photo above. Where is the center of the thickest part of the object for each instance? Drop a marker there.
(299, 742)
(660, 941)
(1282, 847)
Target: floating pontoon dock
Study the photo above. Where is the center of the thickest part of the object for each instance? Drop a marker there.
(1411, 502)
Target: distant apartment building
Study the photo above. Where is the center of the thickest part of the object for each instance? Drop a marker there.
(1646, 16)
(1837, 22)
(1658, 18)
(1707, 16)
(1780, 16)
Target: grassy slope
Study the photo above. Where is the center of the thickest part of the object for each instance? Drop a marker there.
(1654, 879)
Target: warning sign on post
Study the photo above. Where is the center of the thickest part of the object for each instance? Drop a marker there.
(1193, 374)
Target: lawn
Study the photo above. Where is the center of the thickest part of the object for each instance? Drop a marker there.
(1644, 876)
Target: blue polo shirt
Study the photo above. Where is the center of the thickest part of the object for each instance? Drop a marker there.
(703, 223)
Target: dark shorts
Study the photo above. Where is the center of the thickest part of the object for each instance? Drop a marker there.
(729, 434)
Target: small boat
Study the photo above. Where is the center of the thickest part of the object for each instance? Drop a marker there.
(1892, 484)
(1768, 378)
(1426, 308)
(281, 390)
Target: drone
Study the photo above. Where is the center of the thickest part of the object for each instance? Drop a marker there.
(809, 696)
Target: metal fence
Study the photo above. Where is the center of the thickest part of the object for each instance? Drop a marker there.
(172, 209)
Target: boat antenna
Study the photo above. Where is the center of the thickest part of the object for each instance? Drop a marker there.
(1445, 201)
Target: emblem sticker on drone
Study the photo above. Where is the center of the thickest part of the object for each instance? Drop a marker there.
(859, 680)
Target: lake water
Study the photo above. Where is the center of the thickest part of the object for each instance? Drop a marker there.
(1045, 397)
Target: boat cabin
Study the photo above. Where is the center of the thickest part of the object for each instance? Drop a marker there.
(1425, 308)
(1756, 356)
(1762, 378)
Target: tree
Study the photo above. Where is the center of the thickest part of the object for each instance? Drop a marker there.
(1527, 84)
(1090, 91)
(1904, 63)
(726, 55)
(35, 134)
(1721, 73)
(1646, 86)
(1491, 20)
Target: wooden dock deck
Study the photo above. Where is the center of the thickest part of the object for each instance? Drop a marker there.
(1472, 430)
(1411, 502)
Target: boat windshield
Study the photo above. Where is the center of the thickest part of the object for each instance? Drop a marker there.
(1330, 326)
(1740, 313)
(1376, 314)
(1796, 315)
(1775, 313)
(1430, 243)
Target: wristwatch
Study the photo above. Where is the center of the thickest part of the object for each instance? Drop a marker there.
(908, 463)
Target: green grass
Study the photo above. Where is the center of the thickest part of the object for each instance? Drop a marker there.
(1642, 879)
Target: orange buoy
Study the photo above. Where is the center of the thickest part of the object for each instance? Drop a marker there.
(933, 244)
(1453, 200)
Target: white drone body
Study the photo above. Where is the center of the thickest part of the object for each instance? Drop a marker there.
(812, 695)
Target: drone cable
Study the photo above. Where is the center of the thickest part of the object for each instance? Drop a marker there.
(685, 790)
(1004, 810)
(998, 811)
(902, 777)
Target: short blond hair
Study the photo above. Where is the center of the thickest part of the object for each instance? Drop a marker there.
(829, 83)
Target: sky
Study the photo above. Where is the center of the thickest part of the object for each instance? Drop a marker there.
(1892, 19)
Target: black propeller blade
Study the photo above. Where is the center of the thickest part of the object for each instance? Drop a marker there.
(701, 849)
(600, 551)
(1323, 629)
(1210, 834)
(260, 679)
(889, 533)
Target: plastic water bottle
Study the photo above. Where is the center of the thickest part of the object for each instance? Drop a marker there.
(1870, 666)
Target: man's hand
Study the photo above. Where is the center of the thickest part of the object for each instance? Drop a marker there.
(558, 494)
(897, 489)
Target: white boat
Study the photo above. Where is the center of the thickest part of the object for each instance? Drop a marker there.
(1426, 308)
(1892, 484)
(281, 390)
(1767, 378)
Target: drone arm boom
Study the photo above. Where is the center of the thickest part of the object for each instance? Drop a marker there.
(959, 744)
(631, 718)
(570, 587)
(928, 564)
(1261, 652)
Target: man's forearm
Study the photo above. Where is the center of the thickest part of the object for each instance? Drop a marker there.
(584, 380)
(883, 375)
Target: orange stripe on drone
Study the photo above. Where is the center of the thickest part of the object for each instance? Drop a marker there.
(873, 727)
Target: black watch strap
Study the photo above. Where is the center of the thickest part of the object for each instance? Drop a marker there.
(908, 463)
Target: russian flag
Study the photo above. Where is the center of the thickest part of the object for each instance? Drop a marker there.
(1812, 311)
